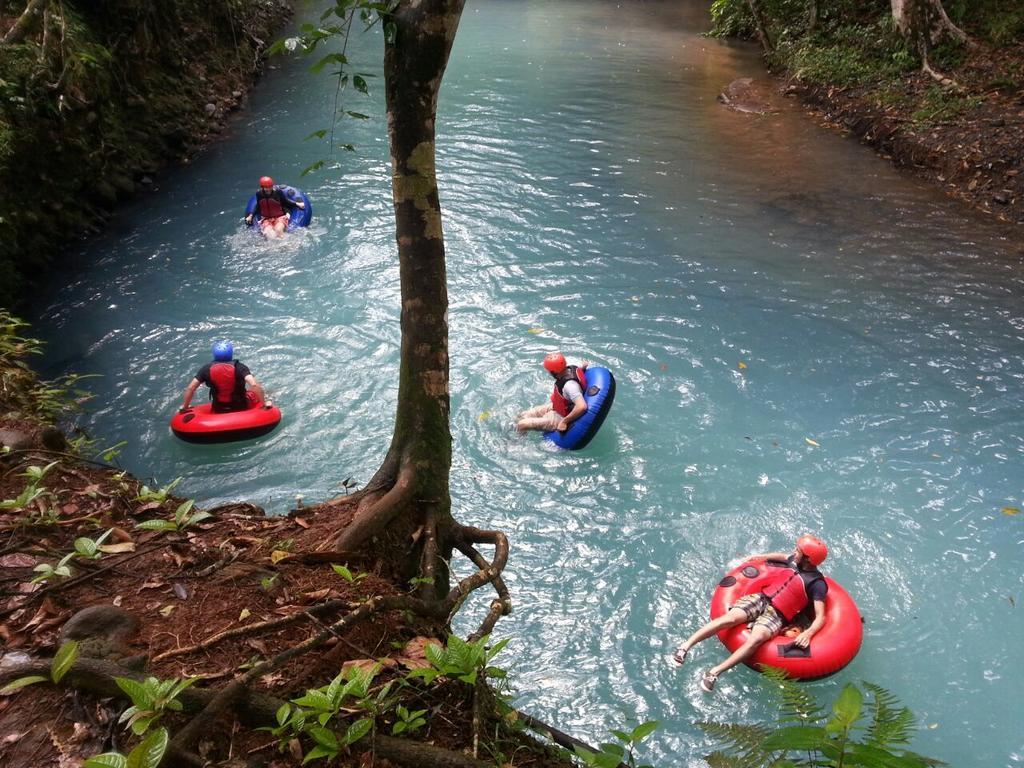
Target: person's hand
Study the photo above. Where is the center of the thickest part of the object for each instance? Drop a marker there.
(563, 425)
(184, 409)
(248, 220)
(803, 639)
(584, 364)
(300, 204)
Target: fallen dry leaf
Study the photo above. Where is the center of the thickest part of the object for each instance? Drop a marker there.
(114, 549)
(299, 521)
(812, 442)
(17, 560)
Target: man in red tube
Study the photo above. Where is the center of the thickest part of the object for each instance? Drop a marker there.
(226, 379)
(771, 609)
(567, 402)
(273, 207)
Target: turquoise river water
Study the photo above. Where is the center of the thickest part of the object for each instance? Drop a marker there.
(804, 340)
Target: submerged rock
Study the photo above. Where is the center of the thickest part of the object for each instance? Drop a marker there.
(743, 95)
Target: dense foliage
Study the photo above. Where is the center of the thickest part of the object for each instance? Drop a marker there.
(94, 96)
(844, 42)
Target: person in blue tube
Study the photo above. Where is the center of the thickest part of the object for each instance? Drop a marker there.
(227, 379)
(567, 402)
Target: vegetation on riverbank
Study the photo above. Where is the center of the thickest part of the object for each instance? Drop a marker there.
(95, 98)
(952, 111)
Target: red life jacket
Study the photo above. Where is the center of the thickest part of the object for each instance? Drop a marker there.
(788, 593)
(559, 402)
(225, 382)
(269, 206)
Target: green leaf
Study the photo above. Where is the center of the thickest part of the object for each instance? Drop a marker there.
(282, 713)
(64, 660)
(795, 737)
(198, 517)
(324, 737)
(344, 572)
(157, 525)
(85, 546)
(22, 682)
(316, 753)
(357, 730)
(106, 760)
(314, 167)
(317, 134)
(150, 751)
(359, 83)
(357, 115)
(644, 730)
(847, 707)
(182, 511)
(136, 691)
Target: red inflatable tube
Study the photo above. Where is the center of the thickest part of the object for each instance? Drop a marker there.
(831, 649)
(200, 424)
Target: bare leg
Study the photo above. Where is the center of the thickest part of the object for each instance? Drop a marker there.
(539, 417)
(758, 637)
(728, 619)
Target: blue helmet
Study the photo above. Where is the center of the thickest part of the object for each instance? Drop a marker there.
(223, 351)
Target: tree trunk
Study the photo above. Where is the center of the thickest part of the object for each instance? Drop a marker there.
(761, 26)
(32, 11)
(413, 477)
(924, 23)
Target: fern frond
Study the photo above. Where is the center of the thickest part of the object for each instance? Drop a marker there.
(797, 704)
(890, 723)
(722, 760)
(741, 741)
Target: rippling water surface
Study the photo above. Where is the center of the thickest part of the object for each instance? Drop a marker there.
(598, 200)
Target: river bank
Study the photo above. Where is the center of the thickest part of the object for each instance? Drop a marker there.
(121, 584)
(96, 101)
(960, 125)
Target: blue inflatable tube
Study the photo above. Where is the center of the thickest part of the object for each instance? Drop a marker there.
(300, 217)
(599, 396)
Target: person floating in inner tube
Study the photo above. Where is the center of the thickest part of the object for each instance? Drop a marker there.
(274, 207)
(771, 609)
(567, 402)
(226, 379)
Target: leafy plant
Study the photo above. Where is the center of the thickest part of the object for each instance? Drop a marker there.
(461, 660)
(822, 738)
(49, 572)
(406, 721)
(148, 754)
(61, 664)
(612, 754)
(179, 522)
(32, 490)
(310, 714)
(159, 495)
(347, 575)
(89, 549)
(150, 700)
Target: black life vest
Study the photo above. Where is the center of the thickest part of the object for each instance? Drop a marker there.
(559, 402)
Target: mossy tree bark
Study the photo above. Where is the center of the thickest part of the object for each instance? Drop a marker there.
(410, 492)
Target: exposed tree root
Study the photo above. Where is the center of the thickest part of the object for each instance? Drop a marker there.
(248, 629)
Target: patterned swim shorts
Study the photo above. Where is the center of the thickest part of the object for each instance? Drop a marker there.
(760, 612)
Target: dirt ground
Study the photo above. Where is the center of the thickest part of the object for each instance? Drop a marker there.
(210, 600)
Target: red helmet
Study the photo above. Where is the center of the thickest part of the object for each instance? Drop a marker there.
(266, 181)
(555, 362)
(814, 548)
